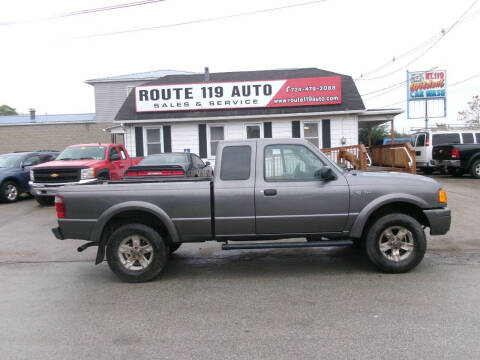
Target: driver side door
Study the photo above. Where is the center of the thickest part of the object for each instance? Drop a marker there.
(290, 199)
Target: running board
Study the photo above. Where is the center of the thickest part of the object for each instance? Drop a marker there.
(284, 245)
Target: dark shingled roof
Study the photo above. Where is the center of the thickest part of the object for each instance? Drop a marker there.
(351, 99)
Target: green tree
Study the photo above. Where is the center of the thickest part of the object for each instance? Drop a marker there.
(471, 115)
(378, 134)
(7, 110)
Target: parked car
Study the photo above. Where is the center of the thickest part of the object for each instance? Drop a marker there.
(458, 159)
(79, 164)
(423, 142)
(266, 189)
(15, 172)
(175, 164)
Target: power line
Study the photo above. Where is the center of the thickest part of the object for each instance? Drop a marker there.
(450, 86)
(201, 20)
(83, 12)
(444, 32)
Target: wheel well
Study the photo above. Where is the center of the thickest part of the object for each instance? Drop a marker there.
(102, 172)
(134, 217)
(392, 208)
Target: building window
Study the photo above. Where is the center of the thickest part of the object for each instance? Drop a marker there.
(310, 133)
(253, 131)
(217, 133)
(154, 145)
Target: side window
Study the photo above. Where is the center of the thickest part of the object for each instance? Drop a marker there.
(123, 154)
(467, 138)
(421, 140)
(197, 162)
(236, 163)
(477, 136)
(113, 151)
(31, 160)
(442, 139)
(216, 134)
(46, 157)
(290, 163)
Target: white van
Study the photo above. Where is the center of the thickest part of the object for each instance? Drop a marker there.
(424, 141)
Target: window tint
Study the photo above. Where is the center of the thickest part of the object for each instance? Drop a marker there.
(290, 162)
(113, 151)
(421, 140)
(197, 162)
(31, 160)
(235, 163)
(467, 138)
(442, 139)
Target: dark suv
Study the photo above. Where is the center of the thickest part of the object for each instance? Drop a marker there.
(15, 171)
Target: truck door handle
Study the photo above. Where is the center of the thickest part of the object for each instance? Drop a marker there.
(270, 192)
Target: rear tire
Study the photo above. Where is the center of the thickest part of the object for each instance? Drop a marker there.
(136, 253)
(396, 243)
(45, 200)
(475, 169)
(9, 192)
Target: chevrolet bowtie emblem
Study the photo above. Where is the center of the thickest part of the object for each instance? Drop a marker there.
(54, 175)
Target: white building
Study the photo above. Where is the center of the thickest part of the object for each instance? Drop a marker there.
(176, 111)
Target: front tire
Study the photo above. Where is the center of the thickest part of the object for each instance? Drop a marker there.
(45, 200)
(136, 253)
(396, 243)
(9, 192)
(475, 169)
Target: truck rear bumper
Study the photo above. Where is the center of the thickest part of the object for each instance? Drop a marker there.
(439, 220)
(42, 189)
(58, 233)
(448, 163)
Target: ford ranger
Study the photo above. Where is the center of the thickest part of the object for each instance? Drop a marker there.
(79, 164)
(262, 190)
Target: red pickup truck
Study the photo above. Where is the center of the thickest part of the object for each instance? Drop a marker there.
(79, 164)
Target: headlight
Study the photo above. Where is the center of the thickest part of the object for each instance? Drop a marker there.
(87, 174)
(31, 175)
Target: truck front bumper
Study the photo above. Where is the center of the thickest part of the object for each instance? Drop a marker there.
(44, 189)
(439, 220)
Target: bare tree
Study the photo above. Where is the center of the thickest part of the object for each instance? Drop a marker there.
(471, 115)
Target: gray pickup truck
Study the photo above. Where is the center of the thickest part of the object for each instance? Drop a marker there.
(267, 189)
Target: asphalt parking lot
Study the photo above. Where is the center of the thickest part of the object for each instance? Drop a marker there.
(267, 304)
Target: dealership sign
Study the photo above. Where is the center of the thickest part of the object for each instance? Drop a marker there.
(426, 85)
(241, 94)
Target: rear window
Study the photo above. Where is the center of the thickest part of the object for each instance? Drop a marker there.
(421, 140)
(235, 163)
(467, 138)
(442, 139)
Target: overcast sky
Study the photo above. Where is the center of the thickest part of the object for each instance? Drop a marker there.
(44, 64)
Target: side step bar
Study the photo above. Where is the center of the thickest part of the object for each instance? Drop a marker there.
(284, 245)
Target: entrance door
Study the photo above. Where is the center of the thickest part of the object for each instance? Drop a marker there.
(289, 199)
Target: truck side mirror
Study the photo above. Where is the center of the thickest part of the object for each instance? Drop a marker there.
(325, 173)
(207, 163)
(114, 157)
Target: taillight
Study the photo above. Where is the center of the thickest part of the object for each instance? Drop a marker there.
(60, 206)
(427, 142)
(455, 153)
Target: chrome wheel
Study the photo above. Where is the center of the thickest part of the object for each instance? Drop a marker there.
(477, 169)
(396, 243)
(11, 192)
(135, 253)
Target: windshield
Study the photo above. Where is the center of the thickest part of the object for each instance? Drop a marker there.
(165, 159)
(83, 153)
(10, 161)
